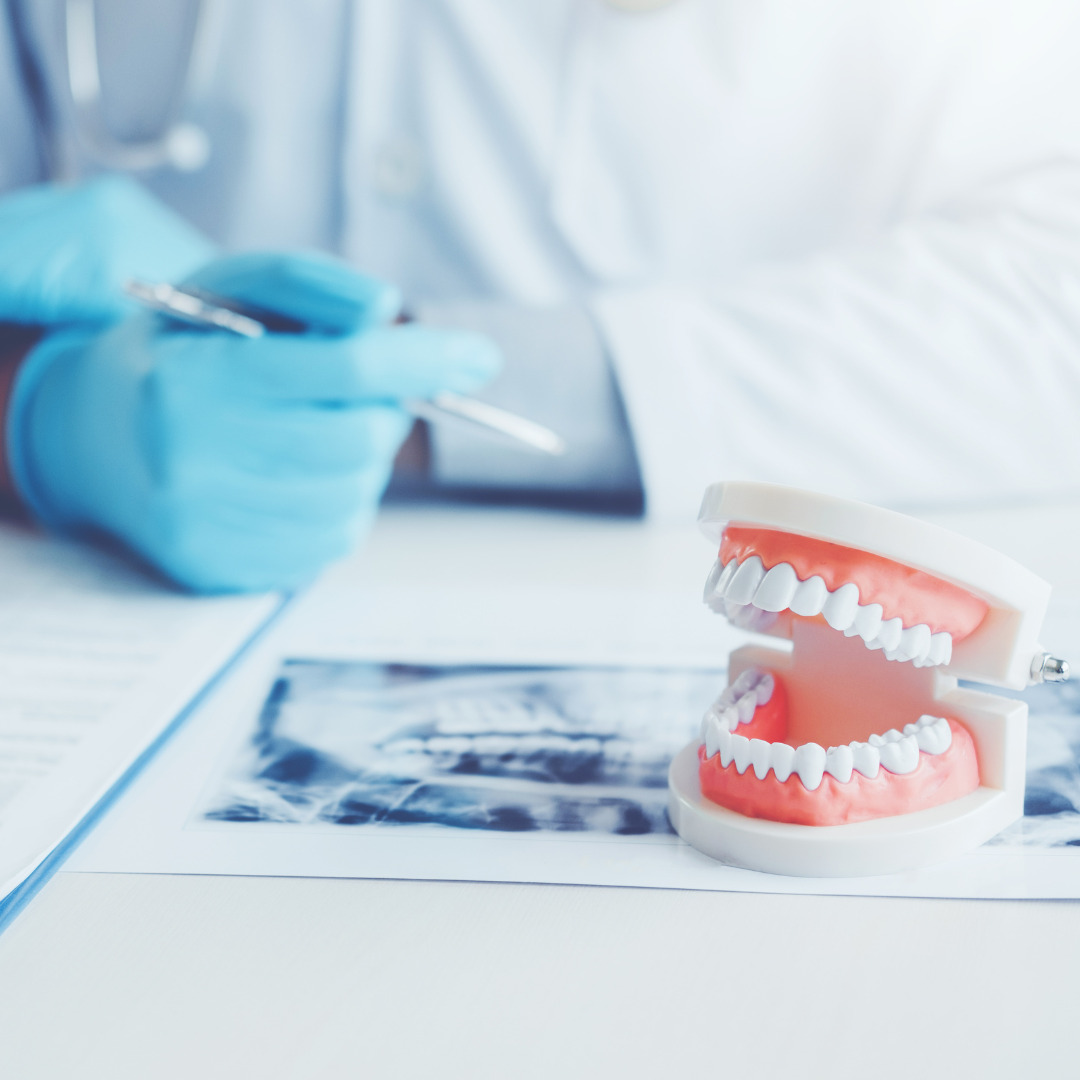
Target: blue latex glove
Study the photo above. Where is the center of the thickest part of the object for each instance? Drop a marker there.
(66, 251)
(231, 463)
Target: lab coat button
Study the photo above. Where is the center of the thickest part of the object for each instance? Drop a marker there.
(398, 168)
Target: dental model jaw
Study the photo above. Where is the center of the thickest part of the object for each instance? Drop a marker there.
(907, 613)
(856, 751)
(758, 758)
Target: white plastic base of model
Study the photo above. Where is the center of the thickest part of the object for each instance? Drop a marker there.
(882, 846)
(886, 845)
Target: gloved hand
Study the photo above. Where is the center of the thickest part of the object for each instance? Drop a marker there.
(233, 463)
(66, 251)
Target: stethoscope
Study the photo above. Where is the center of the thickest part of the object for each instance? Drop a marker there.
(184, 145)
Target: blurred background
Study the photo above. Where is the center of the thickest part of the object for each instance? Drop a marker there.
(835, 245)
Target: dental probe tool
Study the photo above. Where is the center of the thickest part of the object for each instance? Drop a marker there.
(209, 311)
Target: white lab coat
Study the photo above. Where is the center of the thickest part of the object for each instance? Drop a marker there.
(834, 244)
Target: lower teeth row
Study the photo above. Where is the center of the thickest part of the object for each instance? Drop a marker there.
(895, 751)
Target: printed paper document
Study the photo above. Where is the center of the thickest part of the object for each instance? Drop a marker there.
(96, 659)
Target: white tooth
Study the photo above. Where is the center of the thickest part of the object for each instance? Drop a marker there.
(764, 689)
(711, 580)
(725, 578)
(746, 681)
(892, 735)
(840, 608)
(865, 759)
(868, 621)
(933, 734)
(745, 707)
(713, 731)
(810, 764)
(725, 715)
(839, 761)
(783, 760)
(810, 596)
(900, 756)
(748, 617)
(740, 749)
(760, 757)
(726, 747)
(889, 634)
(903, 650)
(914, 641)
(715, 597)
(727, 698)
(746, 581)
(940, 648)
(734, 613)
(777, 588)
(732, 692)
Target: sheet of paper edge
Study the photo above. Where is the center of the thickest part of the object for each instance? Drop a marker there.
(18, 897)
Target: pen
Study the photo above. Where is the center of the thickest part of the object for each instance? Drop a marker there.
(205, 309)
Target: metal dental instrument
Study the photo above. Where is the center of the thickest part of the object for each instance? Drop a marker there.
(213, 312)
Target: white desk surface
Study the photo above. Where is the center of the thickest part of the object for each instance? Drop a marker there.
(158, 977)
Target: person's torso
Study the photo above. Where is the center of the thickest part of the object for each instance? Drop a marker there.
(529, 151)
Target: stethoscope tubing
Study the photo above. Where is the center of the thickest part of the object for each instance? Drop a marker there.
(183, 145)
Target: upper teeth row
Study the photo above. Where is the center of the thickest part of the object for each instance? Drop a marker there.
(895, 751)
(779, 588)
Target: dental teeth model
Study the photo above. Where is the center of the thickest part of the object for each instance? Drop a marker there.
(857, 752)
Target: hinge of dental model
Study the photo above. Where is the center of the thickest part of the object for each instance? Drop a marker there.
(1047, 668)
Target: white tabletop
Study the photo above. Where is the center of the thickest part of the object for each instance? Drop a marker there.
(159, 976)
